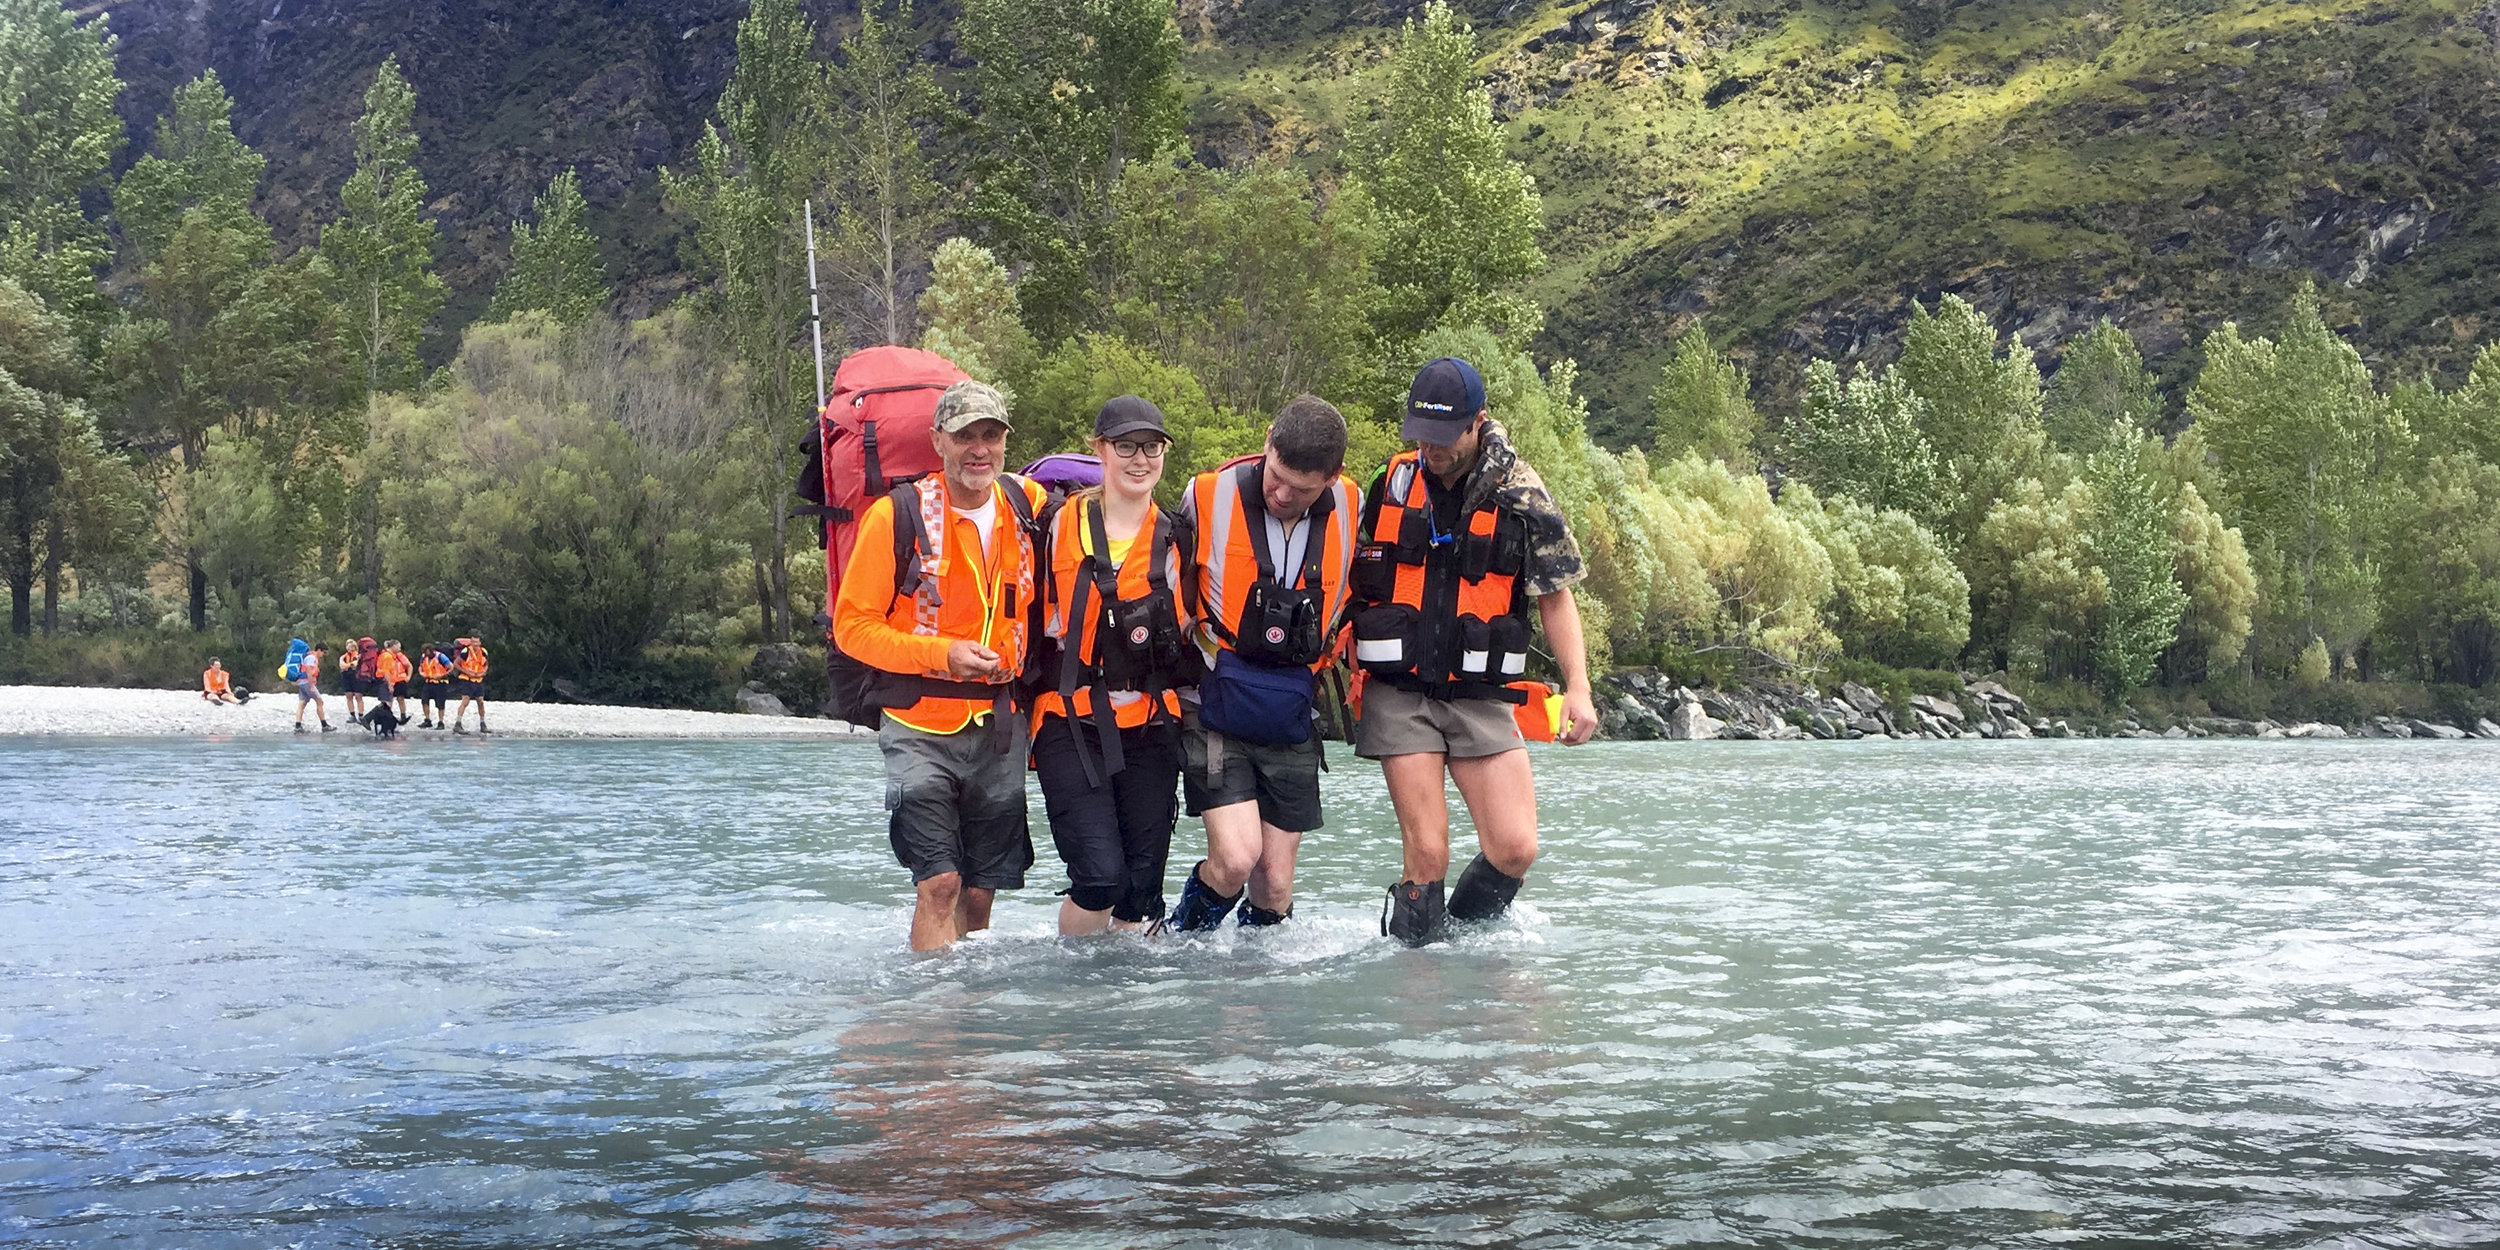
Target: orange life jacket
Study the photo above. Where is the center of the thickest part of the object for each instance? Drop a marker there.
(899, 622)
(309, 664)
(1136, 605)
(1440, 613)
(213, 680)
(1231, 519)
(394, 667)
(470, 663)
(432, 667)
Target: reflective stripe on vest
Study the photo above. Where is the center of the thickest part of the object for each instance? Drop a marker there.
(471, 666)
(936, 527)
(433, 669)
(1423, 583)
(1228, 566)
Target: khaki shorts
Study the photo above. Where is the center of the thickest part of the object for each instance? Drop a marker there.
(1402, 722)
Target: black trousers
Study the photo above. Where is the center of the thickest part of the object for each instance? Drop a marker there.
(1115, 837)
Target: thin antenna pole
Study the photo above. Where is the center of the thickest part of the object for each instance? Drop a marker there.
(815, 311)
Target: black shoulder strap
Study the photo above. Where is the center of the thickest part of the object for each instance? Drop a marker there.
(911, 538)
(1315, 543)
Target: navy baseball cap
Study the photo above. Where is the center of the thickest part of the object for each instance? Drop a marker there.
(1443, 402)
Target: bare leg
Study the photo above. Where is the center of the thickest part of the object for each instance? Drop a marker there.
(1501, 798)
(1075, 921)
(972, 908)
(934, 915)
(1235, 844)
(1271, 880)
(1416, 793)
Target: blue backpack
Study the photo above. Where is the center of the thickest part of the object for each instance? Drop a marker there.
(293, 670)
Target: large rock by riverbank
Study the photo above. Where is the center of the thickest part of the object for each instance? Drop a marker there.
(1637, 705)
(67, 710)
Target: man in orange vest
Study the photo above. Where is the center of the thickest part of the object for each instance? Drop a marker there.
(937, 600)
(468, 681)
(1274, 536)
(1462, 545)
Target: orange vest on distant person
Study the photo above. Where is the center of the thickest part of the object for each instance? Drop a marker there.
(214, 681)
(471, 662)
(432, 668)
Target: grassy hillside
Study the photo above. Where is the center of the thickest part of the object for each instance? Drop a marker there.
(1788, 173)
(1791, 174)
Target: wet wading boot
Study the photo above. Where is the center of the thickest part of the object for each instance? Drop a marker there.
(1253, 916)
(1415, 914)
(1200, 910)
(1483, 891)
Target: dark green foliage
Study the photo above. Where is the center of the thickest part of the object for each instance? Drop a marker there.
(555, 262)
(1064, 96)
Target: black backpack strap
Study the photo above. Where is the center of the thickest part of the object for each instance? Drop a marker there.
(911, 538)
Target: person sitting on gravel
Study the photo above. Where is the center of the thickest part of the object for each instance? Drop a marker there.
(215, 686)
(308, 690)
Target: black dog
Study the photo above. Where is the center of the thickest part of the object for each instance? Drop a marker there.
(382, 722)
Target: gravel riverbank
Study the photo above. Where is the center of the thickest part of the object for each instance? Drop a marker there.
(33, 711)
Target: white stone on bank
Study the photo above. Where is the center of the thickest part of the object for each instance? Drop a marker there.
(28, 711)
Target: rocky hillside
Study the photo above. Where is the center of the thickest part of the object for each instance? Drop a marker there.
(1788, 172)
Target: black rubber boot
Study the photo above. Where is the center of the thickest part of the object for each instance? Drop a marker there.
(1415, 914)
(1254, 916)
(1201, 909)
(1483, 891)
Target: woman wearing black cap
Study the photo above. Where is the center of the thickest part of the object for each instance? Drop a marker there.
(1106, 720)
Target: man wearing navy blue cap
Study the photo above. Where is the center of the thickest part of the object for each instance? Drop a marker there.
(1462, 550)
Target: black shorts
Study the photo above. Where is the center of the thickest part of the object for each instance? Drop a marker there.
(1115, 836)
(1284, 780)
(430, 691)
(462, 687)
(955, 802)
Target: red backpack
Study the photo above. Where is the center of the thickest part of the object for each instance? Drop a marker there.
(872, 436)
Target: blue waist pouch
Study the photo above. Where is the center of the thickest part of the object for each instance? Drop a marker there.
(1266, 706)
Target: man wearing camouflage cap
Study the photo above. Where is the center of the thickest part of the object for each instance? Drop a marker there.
(936, 601)
(1462, 548)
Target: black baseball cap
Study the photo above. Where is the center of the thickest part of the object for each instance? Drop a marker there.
(1443, 402)
(1126, 416)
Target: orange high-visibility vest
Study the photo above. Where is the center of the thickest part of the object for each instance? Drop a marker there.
(903, 625)
(470, 664)
(432, 668)
(1071, 553)
(1223, 504)
(214, 681)
(1438, 612)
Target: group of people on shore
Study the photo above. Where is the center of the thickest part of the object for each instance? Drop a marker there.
(1117, 648)
(376, 680)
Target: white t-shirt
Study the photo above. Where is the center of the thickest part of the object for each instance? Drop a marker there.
(984, 522)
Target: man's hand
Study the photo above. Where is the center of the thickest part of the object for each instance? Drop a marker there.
(1579, 717)
(970, 661)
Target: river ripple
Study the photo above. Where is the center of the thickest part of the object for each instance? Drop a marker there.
(618, 993)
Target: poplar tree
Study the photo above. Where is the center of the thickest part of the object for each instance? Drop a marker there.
(2300, 433)
(381, 256)
(971, 309)
(58, 133)
(1065, 96)
(1982, 409)
(1703, 405)
(1459, 217)
(1863, 440)
(754, 169)
(883, 202)
(187, 354)
(2100, 381)
(555, 265)
(2129, 536)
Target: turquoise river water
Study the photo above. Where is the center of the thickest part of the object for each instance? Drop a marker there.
(516, 993)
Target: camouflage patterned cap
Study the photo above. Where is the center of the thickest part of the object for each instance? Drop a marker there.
(968, 402)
